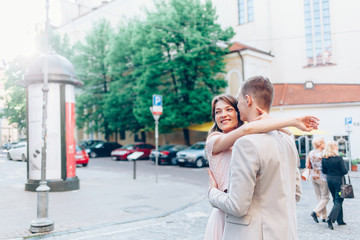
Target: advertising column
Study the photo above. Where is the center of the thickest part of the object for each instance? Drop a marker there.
(70, 131)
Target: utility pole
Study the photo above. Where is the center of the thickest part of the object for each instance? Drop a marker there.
(42, 223)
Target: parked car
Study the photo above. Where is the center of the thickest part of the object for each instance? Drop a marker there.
(194, 155)
(89, 143)
(9, 145)
(103, 149)
(167, 154)
(18, 152)
(127, 149)
(81, 156)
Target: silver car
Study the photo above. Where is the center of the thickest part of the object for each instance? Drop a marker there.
(194, 155)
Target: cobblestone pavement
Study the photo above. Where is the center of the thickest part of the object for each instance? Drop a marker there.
(190, 223)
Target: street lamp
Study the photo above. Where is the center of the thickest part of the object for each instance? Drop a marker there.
(42, 223)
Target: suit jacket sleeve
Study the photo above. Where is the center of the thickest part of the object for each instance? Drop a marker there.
(244, 167)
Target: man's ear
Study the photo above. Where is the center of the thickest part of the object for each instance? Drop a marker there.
(248, 100)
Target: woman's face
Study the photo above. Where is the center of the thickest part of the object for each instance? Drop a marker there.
(225, 116)
(322, 146)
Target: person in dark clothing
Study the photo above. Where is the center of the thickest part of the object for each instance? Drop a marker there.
(334, 167)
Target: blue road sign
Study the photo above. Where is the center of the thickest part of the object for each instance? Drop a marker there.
(348, 120)
(157, 100)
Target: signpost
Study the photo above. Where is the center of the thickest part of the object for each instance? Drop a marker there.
(348, 127)
(156, 110)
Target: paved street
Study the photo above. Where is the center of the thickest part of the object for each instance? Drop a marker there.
(181, 214)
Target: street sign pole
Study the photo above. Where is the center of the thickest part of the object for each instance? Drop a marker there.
(348, 122)
(156, 110)
(157, 148)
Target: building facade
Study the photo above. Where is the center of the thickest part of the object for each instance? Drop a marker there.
(308, 49)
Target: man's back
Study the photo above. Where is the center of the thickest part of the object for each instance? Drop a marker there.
(261, 199)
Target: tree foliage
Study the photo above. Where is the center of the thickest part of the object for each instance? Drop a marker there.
(173, 53)
(92, 68)
(15, 99)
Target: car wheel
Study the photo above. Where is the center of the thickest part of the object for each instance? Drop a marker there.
(85, 164)
(8, 156)
(199, 163)
(23, 158)
(174, 161)
(93, 155)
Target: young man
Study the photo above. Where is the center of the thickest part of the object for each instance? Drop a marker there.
(264, 180)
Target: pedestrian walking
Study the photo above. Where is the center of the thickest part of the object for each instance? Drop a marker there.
(318, 179)
(334, 167)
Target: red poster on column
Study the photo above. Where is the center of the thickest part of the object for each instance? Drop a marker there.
(70, 139)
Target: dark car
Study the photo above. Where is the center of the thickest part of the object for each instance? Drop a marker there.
(194, 155)
(167, 154)
(103, 149)
(127, 149)
(81, 156)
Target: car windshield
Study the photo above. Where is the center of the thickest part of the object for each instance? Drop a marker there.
(128, 146)
(166, 147)
(99, 145)
(78, 148)
(197, 146)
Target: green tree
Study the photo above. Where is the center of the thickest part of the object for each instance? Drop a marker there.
(92, 68)
(177, 57)
(15, 99)
(121, 100)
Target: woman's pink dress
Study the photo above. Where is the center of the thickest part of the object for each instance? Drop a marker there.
(220, 167)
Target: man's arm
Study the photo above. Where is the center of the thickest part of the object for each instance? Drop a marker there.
(243, 170)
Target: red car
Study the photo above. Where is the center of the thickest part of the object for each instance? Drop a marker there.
(123, 152)
(81, 156)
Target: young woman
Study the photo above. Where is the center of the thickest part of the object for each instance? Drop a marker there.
(318, 179)
(334, 167)
(226, 130)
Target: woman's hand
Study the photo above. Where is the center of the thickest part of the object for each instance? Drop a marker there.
(212, 181)
(307, 123)
(263, 114)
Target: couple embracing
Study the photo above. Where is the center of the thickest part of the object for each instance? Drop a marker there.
(254, 176)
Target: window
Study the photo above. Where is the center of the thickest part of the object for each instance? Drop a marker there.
(342, 143)
(317, 32)
(246, 11)
(303, 144)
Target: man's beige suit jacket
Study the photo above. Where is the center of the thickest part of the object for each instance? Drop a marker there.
(263, 189)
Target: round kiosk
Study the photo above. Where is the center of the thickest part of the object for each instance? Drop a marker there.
(60, 141)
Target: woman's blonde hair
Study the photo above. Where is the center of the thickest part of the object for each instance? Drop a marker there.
(316, 142)
(331, 149)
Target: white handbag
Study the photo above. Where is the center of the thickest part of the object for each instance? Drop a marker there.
(305, 174)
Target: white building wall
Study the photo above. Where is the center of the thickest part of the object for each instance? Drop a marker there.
(279, 28)
(332, 120)
(114, 11)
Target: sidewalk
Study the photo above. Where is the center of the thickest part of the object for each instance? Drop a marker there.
(99, 202)
(139, 209)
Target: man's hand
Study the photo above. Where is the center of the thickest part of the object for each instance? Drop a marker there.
(307, 123)
(212, 181)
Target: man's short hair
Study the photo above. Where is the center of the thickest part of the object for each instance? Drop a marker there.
(260, 89)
